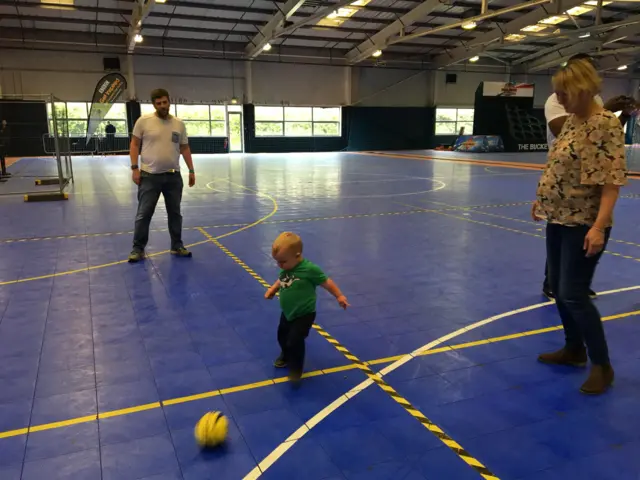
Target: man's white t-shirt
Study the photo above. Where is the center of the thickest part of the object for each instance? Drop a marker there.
(161, 141)
(554, 109)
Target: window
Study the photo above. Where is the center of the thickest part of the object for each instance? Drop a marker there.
(147, 108)
(200, 120)
(218, 116)
(196, 119)
(73, 119)
(298, 121)
(449, 121)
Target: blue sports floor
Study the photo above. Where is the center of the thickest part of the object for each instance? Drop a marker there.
(105, 367)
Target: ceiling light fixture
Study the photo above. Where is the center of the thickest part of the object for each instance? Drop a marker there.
(266, 47)
(554, 19)
(377, 53)
(339, 16)
(514, 37)
(470, 25)
(138, 38)
(534, 28)
(622, 67)
(585, 35)
(474, 59)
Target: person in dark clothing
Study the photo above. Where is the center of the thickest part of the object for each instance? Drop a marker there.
(5, 138)
(110, 130)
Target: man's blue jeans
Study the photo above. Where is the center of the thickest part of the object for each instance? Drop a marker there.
(149, 190)
(570, 274)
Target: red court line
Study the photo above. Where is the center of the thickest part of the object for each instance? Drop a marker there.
(11, 160)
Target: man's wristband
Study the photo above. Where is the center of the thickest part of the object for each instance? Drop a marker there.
(134, 167)
(192, 171)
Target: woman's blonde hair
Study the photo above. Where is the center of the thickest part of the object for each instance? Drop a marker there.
(576, 77)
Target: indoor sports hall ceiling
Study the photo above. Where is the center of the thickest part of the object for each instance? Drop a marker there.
(531, 35)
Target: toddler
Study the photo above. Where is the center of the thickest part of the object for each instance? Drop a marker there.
(297, 284)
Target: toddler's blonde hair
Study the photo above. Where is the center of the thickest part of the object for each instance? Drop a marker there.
(287, 241)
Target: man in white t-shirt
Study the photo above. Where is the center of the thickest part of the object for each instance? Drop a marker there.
(163, 138)
(556, 115)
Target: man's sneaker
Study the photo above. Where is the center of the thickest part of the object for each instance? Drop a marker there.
(280, 362)
(135, 256)
(181, 252)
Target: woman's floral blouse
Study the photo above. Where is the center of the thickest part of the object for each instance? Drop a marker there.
(585, 156)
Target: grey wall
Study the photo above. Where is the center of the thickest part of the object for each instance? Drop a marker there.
(73, 76)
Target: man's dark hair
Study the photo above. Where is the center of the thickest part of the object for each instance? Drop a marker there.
(158, 93)
(582, 56)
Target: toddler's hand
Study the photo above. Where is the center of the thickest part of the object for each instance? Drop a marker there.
(269, 294)
(343, 302)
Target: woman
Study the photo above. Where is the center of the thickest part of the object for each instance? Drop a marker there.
(576, 194)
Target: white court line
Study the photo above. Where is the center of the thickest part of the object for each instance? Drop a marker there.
(281, 449)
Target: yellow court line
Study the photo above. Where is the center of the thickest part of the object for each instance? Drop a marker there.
(106, 234)
(272, 222)
(522, 232)
(120, 262)
(532, 223)
(479, 163)
(454, 446)
(278, 380)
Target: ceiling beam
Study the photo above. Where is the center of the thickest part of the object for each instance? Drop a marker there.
(254, 24)
(140, 11)
(612, 62)
(379, 40)
(148, 28)
(622, 33)
(494, 39)
(313, 18)
(265, 34)
(544, 51)
(562, 55)
(71, 40)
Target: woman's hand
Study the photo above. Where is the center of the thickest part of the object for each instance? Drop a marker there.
(534, 215)
(593, 242)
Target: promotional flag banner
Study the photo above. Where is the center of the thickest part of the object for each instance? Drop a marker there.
(107, 92)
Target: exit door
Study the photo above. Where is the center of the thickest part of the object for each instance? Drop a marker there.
(234, 121)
